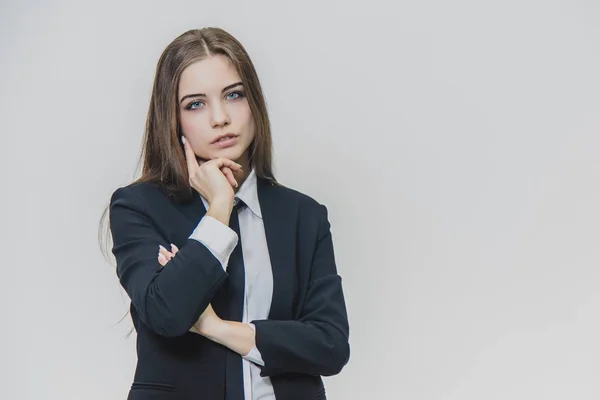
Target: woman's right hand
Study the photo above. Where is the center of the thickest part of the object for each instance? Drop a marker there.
(213, 179)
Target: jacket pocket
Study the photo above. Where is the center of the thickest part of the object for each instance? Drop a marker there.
(143, 394)
(158, 386)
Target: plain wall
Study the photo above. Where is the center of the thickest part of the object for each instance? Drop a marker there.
(455, 144)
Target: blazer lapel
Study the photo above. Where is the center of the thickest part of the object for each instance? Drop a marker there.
(279, 220)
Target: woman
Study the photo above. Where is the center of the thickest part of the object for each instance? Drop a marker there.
(232, 278)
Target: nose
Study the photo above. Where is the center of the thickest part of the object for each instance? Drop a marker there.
(220, 116)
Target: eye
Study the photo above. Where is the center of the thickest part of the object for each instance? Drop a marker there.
(194, 105)
(234, 95)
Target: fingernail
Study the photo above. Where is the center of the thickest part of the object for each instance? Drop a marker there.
(161, 247)
(183, 139)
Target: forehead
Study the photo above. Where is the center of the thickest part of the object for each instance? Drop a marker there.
(211, 74)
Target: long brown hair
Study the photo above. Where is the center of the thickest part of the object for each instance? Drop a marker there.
(162, 153)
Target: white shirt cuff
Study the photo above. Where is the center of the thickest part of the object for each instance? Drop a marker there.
(217, 237)
(254, 354)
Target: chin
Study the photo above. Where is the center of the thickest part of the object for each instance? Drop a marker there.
(231, 153)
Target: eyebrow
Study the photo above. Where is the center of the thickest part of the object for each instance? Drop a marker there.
(226, 88)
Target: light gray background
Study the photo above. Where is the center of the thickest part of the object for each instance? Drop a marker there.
(454, 143)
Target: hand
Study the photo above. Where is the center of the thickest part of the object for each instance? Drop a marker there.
(209, 319)
(213, 179)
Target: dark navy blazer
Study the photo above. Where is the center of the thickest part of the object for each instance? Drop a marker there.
(306, 334)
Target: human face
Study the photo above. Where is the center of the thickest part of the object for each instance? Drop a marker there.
(212, 103)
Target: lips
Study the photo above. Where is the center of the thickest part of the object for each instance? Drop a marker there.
(225, 136)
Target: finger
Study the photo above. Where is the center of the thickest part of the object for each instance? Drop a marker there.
(225, 162)
(190, 157)
(239, 172)
(174, 249)
(165, 253)
(229, 175)
(162, 260)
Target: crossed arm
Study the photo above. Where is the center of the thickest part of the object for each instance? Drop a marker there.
(238, 336)
(175, 299)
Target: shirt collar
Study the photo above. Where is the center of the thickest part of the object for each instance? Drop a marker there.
(248, 193)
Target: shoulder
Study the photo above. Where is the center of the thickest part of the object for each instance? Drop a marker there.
(306, 204)
(136, 193)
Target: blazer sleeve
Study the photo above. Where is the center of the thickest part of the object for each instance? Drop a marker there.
(170, 299)
(317, 342)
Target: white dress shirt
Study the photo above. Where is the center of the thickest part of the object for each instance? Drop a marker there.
(221, 240)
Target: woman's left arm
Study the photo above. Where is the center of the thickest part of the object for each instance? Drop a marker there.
(316, 343)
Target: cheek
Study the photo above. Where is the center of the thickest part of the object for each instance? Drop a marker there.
(193, 125)
(245, 116)
(195, 129)
(187, 123)
(252, 128)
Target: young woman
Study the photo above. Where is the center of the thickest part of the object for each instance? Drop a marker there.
(232, 277)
